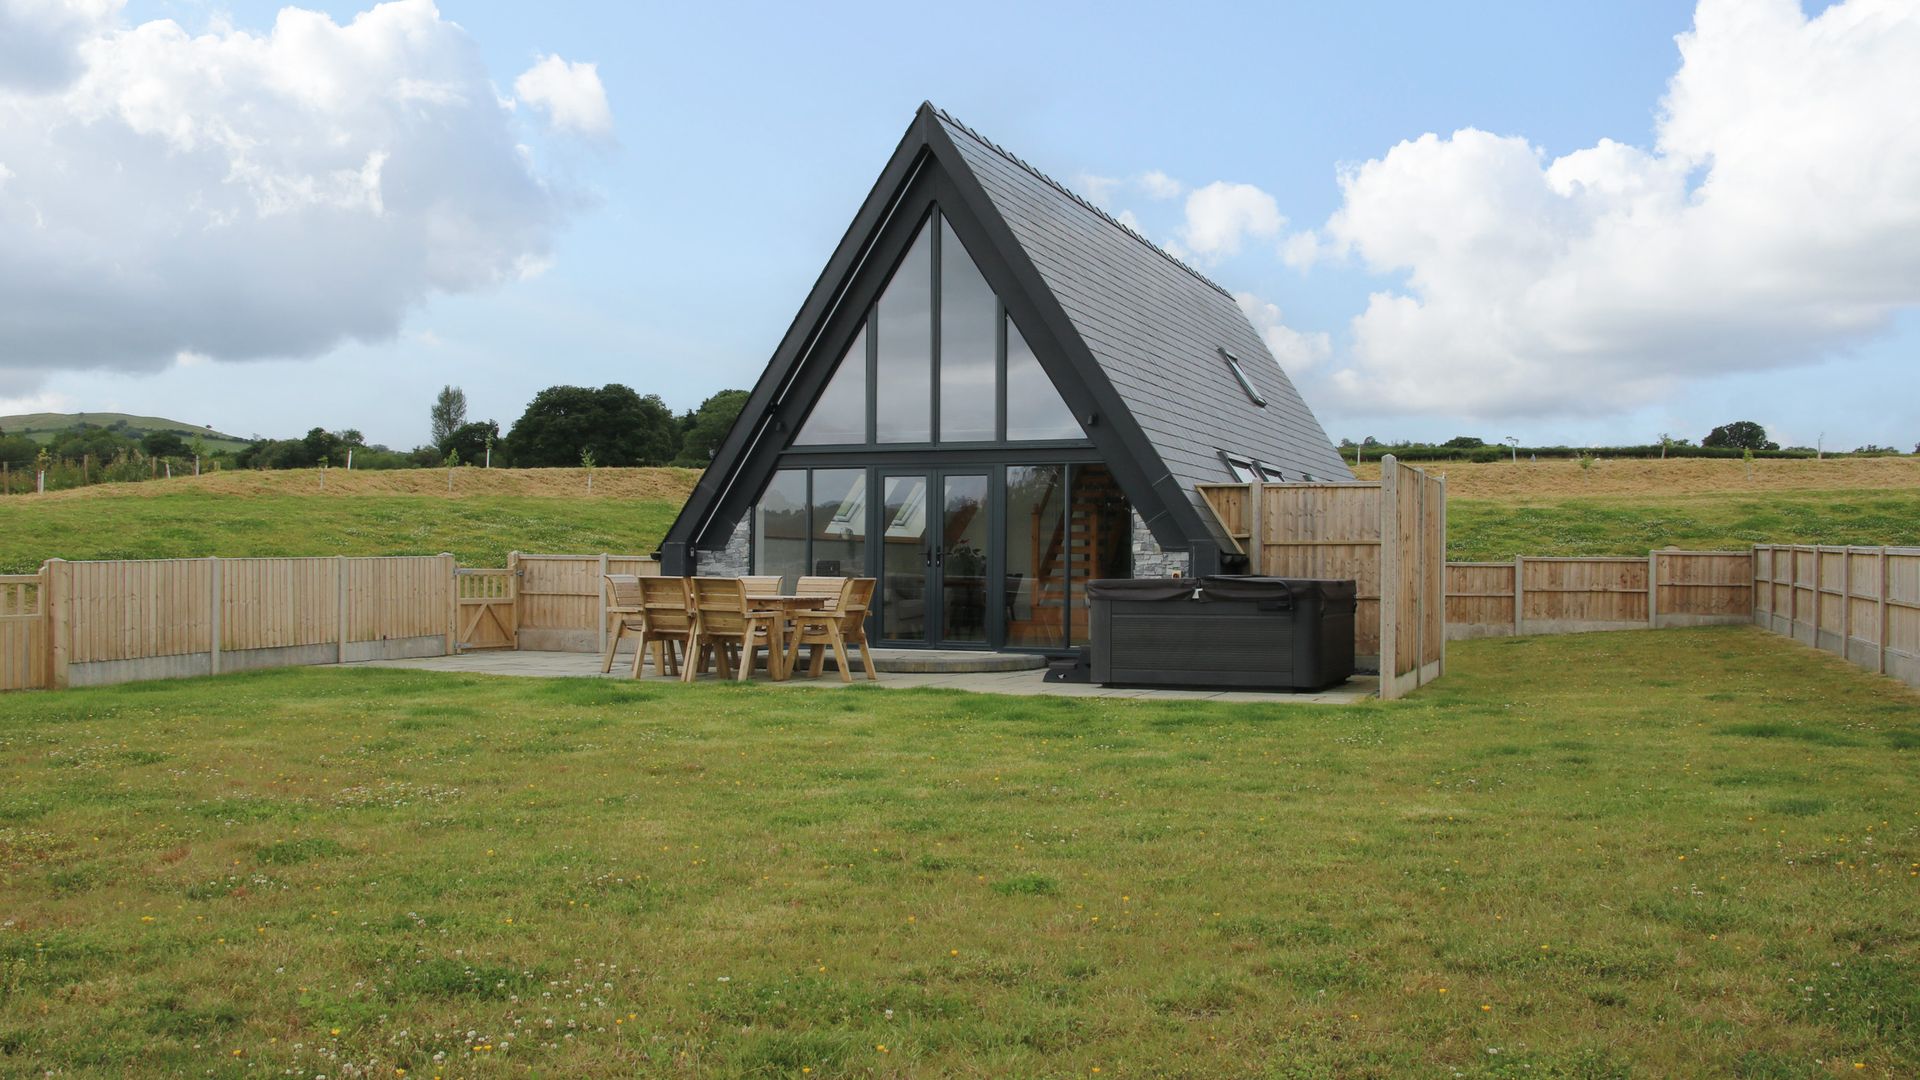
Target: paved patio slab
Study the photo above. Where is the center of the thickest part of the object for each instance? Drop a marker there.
(569, 665)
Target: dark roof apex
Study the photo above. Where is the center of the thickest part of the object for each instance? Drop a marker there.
(950, 121)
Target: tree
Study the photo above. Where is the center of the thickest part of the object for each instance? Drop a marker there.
(163, 444)
(617, 425)
(1739, 435)
(448, 413)
(470, 440)
(1463, 442)
(704, 429)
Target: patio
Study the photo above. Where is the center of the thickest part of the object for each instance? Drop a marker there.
(574, 665)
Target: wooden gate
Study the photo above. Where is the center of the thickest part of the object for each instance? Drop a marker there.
(24, 660)
(488, 603)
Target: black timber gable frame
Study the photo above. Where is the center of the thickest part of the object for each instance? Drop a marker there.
(927, 172)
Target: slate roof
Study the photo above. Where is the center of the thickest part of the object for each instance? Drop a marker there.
(1156, 327)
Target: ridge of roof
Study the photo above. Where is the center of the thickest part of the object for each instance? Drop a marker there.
(1063, 189)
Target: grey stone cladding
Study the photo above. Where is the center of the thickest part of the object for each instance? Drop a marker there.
(732, 560)
(1150, 560)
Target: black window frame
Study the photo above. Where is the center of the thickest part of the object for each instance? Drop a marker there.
(1240, 373)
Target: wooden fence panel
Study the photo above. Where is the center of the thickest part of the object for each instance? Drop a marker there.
(277, 603)
(394, 598)
(1326, 531)
(127, 610)
(1575, 595)
(24, 658)
(562, 604)
(1857, 602)
(1480, 599)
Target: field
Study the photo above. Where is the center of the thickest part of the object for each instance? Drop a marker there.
(1494, 511)
(1497, 511)
(42, 427)
(410, 512)
(1661, 854)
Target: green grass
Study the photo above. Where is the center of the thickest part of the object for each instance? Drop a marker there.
(480, 529)
(1499, 529)
(1684, 853)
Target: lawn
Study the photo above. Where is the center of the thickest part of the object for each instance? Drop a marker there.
(1660, 854)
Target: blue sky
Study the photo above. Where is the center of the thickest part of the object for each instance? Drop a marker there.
(680, 243)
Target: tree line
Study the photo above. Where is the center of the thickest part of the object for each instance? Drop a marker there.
(611, 425)
(1738, 439)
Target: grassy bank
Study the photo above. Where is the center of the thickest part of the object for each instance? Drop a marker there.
(1496, 529)
(1683, 853)
(286, 514)
(1494, 511)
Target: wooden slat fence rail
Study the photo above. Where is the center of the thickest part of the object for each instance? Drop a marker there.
(1388, 537)
(1568, 595)
(1862, 603)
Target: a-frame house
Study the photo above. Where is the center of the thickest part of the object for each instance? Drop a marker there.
(994, 393)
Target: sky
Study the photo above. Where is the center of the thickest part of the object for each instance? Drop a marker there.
(1570, 224)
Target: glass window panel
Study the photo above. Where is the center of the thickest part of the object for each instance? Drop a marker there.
(903, 329)
(1036, 584)
(1034, 408)
(780, 528)
(1102, 537)
(967, 326)
(840, 415)
(840, 522)
(965, 536)
(903, 561)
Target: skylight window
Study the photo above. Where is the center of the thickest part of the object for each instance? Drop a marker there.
(1244, 469)
(1241, 374)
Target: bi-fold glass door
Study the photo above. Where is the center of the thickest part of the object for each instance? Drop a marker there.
(935, 577)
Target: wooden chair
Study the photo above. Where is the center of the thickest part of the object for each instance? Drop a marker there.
(724, 619)
(623, 615)
(666, 620)
(820, 586)
(763, 584)
(844, 625)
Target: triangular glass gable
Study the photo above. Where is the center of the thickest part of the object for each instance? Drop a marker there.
(903, 347)
(1034, 408)
(968, 314)
(840, 414)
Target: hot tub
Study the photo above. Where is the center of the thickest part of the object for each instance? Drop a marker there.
(1253, 633)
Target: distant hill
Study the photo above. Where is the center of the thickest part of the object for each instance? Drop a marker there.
(42, 427)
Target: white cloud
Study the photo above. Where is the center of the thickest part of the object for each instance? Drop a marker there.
(1296, 351)
(569, 93)
(1775, 220)
(40, 40)
(1219, 214)
(1098, 189)
(1158, 185)
(238, 196)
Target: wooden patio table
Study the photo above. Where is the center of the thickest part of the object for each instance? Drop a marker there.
(787, 606)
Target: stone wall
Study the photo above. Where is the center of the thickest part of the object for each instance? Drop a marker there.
(1152, 561)
(732, 560)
